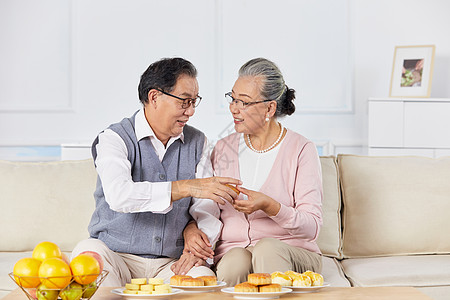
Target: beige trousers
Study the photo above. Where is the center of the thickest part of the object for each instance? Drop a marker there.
(267, 256)
(123, 266)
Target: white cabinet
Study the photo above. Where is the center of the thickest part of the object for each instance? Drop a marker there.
(409, 126)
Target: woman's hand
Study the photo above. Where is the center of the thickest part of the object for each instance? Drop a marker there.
(213, 188)
(256, 201)
(196, 242)
(185, 263)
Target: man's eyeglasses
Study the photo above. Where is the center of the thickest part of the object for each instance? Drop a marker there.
(186, 102)
(239, 103)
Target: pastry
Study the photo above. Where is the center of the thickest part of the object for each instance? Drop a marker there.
(270, 288)
(245, 287)
(209, 280)
(162, 292)
(316, 278)
(139, 280)
(176, 279)
(292, 274)
(233, 188)
(162, 288)
(302, 280)
(155, 286)
(307, 273)
(281, 278)
(146, 287)
(192, 282)
(132, 286)
(155, 281)
(259, 278)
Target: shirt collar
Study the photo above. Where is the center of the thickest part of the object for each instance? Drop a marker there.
(143, 128)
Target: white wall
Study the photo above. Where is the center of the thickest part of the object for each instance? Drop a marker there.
(78, 70)
(382, 25)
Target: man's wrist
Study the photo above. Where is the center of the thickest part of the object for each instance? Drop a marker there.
(179, 190)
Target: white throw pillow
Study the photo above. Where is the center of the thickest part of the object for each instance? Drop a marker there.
(329, 239)
(48, 201)
(395, 205)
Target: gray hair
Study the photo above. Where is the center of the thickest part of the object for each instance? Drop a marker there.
(273, 86)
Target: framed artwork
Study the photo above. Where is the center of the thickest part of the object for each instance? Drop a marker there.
(412, 71)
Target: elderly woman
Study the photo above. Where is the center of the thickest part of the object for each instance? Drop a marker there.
(273, 224)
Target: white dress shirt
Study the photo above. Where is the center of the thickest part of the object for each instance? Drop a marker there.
(126, 196)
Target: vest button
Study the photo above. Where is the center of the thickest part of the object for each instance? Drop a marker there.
(158, 239)
(162, 176)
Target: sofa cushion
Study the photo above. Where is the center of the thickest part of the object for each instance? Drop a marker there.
(332, 272)
(51, 201)
(413, 270)
(329, 239)
(395, 205)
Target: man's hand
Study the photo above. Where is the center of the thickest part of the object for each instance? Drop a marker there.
(196, 242)
(185, 263)
(213, 188)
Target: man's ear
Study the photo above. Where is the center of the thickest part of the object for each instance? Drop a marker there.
(152, 95)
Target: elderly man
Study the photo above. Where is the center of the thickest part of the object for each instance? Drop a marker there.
(150, 167)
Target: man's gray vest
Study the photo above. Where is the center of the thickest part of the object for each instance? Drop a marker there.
(148, 234)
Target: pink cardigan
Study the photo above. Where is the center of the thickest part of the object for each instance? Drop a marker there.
(295, 181)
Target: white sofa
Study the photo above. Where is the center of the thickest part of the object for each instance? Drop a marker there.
(386, 219)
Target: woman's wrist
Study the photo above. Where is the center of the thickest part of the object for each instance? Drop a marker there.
(272, 207)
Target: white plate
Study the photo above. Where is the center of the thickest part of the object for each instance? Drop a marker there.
(200, 289)
(136, 297)
(241, 295)
(307, 289)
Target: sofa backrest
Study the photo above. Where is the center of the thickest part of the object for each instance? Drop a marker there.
(49, 201)
(31, 197)
(330, 239)
(53, 201)
(395, 205)
(389, 206)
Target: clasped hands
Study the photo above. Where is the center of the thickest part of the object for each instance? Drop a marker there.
(218, 190)
(197, 249)
(197, 245)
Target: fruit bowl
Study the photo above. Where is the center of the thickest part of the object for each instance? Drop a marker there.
(73, 291)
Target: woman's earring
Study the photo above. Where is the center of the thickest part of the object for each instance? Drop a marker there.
(267, 118)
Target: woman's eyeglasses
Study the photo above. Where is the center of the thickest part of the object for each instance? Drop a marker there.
(239, 103)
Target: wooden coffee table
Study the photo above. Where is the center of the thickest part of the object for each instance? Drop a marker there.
(329, 293)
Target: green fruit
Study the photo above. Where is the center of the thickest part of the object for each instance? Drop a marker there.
(72, 292)
(45, 293)
(89, 289)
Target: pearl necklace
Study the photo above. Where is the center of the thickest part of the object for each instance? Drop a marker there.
(271, 147)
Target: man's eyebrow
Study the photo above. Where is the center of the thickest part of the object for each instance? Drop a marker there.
(187, 95)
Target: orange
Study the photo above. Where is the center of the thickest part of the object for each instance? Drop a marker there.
(46, 250)
(56, 273)
(85, 268)
(26, 272)
(233, 188)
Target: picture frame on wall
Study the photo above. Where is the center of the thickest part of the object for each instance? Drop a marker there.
(412, 71)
